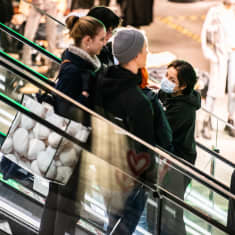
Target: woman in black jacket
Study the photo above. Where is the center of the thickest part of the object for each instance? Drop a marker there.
(181, 102)
(79, 63)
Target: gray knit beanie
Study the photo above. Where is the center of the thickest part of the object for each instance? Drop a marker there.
(127, 44)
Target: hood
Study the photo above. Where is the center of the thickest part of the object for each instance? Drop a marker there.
(193, 99)
(81, 59)
(118, 79)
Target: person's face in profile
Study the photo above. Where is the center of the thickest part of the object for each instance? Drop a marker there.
(97, 43)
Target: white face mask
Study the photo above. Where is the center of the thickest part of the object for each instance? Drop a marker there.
(167, 86)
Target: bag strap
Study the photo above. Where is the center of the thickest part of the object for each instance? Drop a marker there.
(66, 61)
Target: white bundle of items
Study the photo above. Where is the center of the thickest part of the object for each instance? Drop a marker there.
(40, 150)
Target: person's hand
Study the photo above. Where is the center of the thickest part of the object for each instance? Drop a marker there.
(18, 19)
(154, 86)
(162, 173)
(85, 93)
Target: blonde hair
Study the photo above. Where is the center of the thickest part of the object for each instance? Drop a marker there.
(79, 27)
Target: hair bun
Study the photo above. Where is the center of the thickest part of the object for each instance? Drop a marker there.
(71, 19)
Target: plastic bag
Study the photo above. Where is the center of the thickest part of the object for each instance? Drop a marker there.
(39, 149)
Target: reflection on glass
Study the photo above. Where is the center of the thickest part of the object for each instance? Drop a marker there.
(193, 193)
(174, 223)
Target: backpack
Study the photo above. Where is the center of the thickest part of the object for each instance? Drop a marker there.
(51, 98)
(6, 10)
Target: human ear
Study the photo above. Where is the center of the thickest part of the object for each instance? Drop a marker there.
(86, 41)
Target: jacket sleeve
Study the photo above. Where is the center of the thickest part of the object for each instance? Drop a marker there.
(142, 120)
(86, 81)
(162, 129)
(70, 84)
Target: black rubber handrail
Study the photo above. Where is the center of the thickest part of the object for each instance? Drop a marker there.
(24, 40)
(215, 154)
(194, 168)
(26, 68)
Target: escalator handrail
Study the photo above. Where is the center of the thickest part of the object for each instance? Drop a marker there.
(225, 187)
(215, 154)
(179, 164)
(217, 117)
(27, 68)
(26, 41)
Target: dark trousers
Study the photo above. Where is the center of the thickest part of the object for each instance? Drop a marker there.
(172, 215)
(59, 215)
(132, 211)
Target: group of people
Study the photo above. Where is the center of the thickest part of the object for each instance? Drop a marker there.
(165, 119)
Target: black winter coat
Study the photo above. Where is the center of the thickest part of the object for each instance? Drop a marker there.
(106, 55)
(162, 129)
(123, 98)
(181, 114)
(74, 77)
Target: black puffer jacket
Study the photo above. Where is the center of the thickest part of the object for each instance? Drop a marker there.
(181, 114)
(123, 98)
(76, 75)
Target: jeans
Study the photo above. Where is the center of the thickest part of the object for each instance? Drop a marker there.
(133, 208)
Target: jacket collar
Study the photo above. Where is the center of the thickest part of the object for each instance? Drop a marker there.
(84, 55)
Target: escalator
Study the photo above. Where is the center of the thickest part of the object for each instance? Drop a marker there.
(198, 186)
(97, 190)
